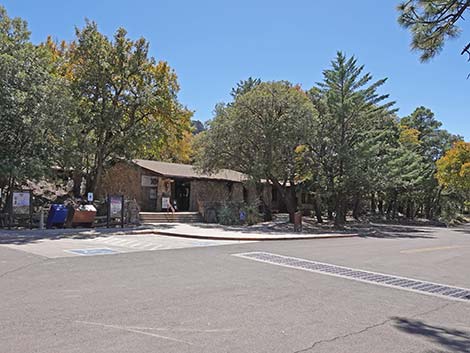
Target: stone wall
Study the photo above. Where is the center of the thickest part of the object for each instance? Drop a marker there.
(214, 191)
(126, 178)
(123, 178)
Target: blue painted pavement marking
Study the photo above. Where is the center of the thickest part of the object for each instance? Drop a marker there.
(90, 252)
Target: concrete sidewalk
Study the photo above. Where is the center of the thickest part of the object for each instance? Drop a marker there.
(219, 232)
(193, 230)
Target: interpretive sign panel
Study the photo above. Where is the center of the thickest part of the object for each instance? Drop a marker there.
(115, 206)
(21, 202)
(21, 207)
(115, 209)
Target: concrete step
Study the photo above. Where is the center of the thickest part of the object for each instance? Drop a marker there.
(164, 217)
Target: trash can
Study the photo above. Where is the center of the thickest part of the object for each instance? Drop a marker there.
(84, 216)
(57, 216)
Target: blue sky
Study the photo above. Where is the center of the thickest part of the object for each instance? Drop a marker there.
(214, 44)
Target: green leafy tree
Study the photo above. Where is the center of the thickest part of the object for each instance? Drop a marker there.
(258, 134)
(432, 22)
(432, 140)
(405, 173)
(350, 107)
(126, 101)
(244, 86)
(33, 105)
(431, 144)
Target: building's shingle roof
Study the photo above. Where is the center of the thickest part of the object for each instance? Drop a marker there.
(188, 171)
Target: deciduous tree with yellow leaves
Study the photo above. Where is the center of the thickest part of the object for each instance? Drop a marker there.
(453, 169)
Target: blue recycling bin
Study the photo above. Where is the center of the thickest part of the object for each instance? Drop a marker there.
(57, 216)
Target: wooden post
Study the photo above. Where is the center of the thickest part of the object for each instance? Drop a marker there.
(122, 211)
(108, 213)
(10, 210)
(30, 210)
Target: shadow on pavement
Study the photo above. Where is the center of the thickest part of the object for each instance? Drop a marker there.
(386, 231)
(464, 230)
(382, 231)
(451, 340)
(19, 237)
(271, 228)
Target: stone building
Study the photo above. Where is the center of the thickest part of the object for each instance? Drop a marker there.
(152, 184)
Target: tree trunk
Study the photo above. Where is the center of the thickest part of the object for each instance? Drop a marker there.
(340, 216)
(435, 210)
(357, 206)
(380, 207)
(330, 214)
(317, 206)
(10, 187)
(77, 182)
(290, 200)
(268, 215)
(408, 209)
(392, 206)
(395, 206)
(331, 208)
(373, 205)
(96, 179)
(265, 206)
(289, 197)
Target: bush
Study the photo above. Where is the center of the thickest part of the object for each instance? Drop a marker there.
(228, 215)
(252, 213)
(231, 213)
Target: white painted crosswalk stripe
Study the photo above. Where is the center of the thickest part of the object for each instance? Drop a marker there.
(113, 244)
(147, 243)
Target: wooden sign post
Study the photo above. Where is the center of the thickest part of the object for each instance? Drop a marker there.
(21, 205)
(115, 209)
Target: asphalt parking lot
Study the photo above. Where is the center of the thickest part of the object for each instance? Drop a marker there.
(186, 296)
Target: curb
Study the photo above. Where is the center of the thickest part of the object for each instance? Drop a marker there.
(247, 238)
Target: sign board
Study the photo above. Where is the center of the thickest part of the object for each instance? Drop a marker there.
(20, 206)
(149, 181)
(90, 197)
(115, 209)
(21, 202)
(115, 206)
(165, 203)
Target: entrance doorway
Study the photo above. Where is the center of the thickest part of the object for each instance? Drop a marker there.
(182, 192)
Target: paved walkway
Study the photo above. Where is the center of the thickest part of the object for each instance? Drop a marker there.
(215, 231)
(193, 230)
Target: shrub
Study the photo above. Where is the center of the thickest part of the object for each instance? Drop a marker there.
(228, 215)
(252, 213)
